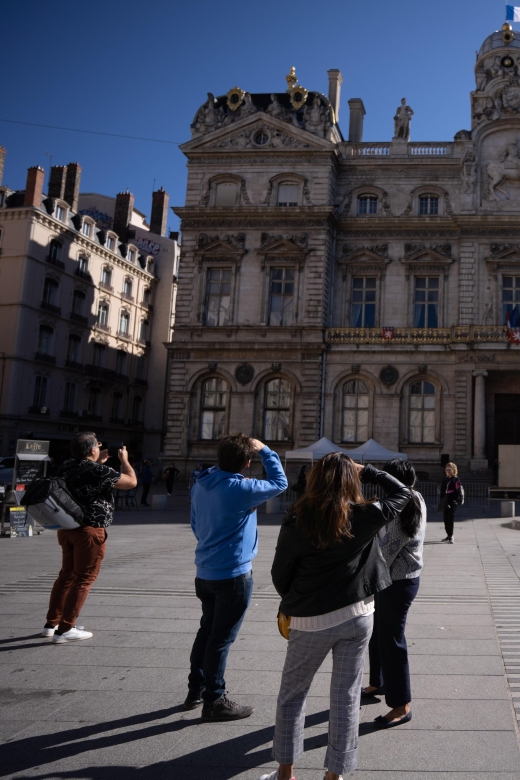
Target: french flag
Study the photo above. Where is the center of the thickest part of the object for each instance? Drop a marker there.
(512, 13)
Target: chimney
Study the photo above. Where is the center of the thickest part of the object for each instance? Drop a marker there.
(72, 182)
(34, 186)
(355, 128)
(335, 82)
(56, 188)
(2, 161)
(123, 213)
(160, 200)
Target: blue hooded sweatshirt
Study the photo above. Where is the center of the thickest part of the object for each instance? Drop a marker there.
(223, 517)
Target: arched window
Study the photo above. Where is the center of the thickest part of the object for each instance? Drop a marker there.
(143, 330)
(127, 288)
(422, 412)
(124, 323)
(213, 408)
(356, 400)
(69, 397)
(288, 194)
(45, 335)
(103, 315)
(367, 204)
(111, 243)
(54, 250)
(50, 292)
(73, 348)
(78, 301)
(117, 407)
(94, 401)
(226, 194)
(131, 255)
(150, 265)
(428, 205)
(121, 358)
(40, 392)
(106, 278)
(137, 409)
(277, 408)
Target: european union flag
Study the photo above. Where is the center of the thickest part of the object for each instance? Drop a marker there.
(512, 13)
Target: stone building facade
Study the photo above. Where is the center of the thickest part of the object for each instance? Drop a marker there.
(86, 304)
(338, 288)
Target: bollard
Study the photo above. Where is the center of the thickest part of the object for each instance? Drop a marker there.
(159, 502)
(507, 509)
(272, 505)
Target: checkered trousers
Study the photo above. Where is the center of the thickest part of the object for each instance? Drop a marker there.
(306, 652)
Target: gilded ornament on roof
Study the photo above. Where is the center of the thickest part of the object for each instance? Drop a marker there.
(235, 98)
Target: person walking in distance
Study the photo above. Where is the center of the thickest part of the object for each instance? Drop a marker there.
(223, 519)
(147, 478)
(450, 499)
(169, 475)
(91, 484)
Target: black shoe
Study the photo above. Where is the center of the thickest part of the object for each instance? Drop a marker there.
(193, 700)
(382, 723)
(378, 692)
(225, 709)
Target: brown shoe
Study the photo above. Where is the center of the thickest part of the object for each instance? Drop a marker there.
(225, 709)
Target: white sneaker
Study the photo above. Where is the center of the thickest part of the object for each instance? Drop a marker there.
(272, 776)
(71, 635)
(48, 631)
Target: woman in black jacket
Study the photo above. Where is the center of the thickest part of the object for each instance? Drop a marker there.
(450, 499)
(326, 568)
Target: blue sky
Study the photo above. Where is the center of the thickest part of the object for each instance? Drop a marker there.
(143, 69)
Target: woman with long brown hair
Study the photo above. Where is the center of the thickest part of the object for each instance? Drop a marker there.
(326, 568)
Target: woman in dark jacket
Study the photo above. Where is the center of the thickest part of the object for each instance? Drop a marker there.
(327, 567)
(450, 499)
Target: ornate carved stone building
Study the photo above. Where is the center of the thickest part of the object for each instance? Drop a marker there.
(348, 289)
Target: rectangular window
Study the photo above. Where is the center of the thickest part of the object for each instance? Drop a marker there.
(281, 296)
(218, 296)
(428, 205)
(213, 409)
(106, 277)
(83, 264)
(288, 194)
(110, 242)
(59, 213)
(131, 256)
(363, 302)
(40, 391)
(94, 397)
(226, 195)
(426, 302)
(511, 301)
(99, 355)
(367, 204)
(69, 397)
(120, 361)
(87, 229)
(73, 349)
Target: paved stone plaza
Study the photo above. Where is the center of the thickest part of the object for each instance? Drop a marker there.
(111, 707)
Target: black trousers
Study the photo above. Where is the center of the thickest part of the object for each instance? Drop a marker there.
(146, 490)
(449, 520)
(387, 650)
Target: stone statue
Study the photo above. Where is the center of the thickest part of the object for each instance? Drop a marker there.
(506, 169)
(317, 118)
(208, 117)
(469, 173)
(402, 119)
(247, 107)
(276, 109)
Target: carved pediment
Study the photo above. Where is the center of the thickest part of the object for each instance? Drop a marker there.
(364, 259)
(258, 132)
(214, 244)
(504, 256)
(292, 247)
(435, 258)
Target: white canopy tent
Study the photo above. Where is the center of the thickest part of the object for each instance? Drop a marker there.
(314, 451)
(371, 450)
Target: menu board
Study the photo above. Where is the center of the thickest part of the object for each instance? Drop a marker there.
(19, 522)
(27, 470)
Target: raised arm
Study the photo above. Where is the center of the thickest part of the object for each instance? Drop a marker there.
(256, 491)
(127, 480)
(397, 494)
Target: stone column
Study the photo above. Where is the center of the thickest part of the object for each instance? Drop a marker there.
(479, 423)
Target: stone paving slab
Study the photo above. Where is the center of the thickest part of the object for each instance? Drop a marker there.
(111, 708)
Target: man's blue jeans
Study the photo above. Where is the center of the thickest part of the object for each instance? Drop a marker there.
(224, 605)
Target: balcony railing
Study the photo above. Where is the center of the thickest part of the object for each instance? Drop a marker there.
(69, 415)
(98, 372)
(78, 318)
(106, 286)
(83, 275)
(460, 334)
(127, 296)
(38, 410)
(141, 382)
(143, 342)
(44, 358)
(74, 364)
(54, 261)
(123, 334)
(50, 307)
(368, 150)
(103, 326)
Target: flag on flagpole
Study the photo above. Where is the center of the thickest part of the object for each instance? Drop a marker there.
(512, 13)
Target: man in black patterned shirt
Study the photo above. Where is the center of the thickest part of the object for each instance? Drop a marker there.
(91, 484)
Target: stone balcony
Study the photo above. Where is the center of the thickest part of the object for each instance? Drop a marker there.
(457, 334)
(398, 149)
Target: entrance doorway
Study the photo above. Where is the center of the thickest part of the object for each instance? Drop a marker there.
(507, 419)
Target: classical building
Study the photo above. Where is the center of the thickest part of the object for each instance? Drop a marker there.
(86, 304)
(338, 288)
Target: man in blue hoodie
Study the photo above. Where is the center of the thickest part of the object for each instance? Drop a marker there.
(223, 519)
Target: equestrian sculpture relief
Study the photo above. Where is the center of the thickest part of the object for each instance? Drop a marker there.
(507, 169)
